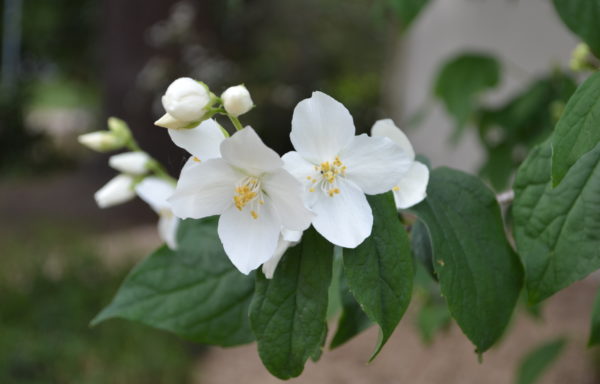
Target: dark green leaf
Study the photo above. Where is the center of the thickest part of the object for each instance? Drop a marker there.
(195, 292)
(432, 318)
(379, 271)
(352, 321)
(578, 130)
(583, 18)
(557, 230)
(407, 10)
(421, 246)
(595, 333)
(480, 275)
(288, 313)
(461, 80)
(537, 361)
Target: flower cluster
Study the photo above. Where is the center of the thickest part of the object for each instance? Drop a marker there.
(265, 201)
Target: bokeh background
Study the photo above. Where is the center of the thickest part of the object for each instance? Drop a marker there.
(69, 64)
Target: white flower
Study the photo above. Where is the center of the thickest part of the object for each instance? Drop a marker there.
(186, 99)
(202, 142)
(412, 188)
(155, 192)
(251, 191)
(168, 121)
(101, 141)
(286, 239)
(338, 168)
(237, 100)
(117, 191)
(134, 163)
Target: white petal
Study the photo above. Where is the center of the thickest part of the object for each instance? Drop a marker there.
(375, 164)
(298, 167)
(204, 190)
(134, 163)
(167, 229)
(246, 151)
(412, 188)
(321, 127)
(168, 121)
(155, 192)
(270, 265)
(291, 236)
(387, 128)
(117, 191)
(286, 194)
(249, 242)
(203, 141)
(344, 219)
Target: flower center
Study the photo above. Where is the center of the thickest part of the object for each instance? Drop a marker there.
(329, 172)
(248, 192)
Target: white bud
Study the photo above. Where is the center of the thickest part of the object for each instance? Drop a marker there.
(168, 121)
(117, 191)
(134, 163)
(101, 141)
(237, 100)
(186, 99)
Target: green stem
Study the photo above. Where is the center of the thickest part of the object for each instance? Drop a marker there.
(160, 171)
(236, 122)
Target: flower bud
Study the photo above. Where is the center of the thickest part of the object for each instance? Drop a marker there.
(237, 100)
(134, 163)
(168, 121)
(117, 191)
(580, 58)
(186, 99)
(101, 141)
(119, 128)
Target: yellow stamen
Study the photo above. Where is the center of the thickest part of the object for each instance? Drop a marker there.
(254, 215)
(396, 188)
(196, 159)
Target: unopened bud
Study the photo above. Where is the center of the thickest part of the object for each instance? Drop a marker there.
(237, 100)
(168, 121)
(119, 128)
(102, 141)
(117, 191)
(133, 163)
(186, 99)
(580, 58)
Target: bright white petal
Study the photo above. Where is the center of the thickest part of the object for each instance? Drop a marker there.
(387, 128)
(344, 219)
(204, 190)
(202, 141)
(375, 164)
(249, 242)
(133, 163)
(117, 191)
(246, 151)
(155, 192)
(321, 127)
(412, 188)
(270, 265)
(168, 121)
(191, 162)
(286, 194)
(298, 167)
(291, 236)
(167, 229)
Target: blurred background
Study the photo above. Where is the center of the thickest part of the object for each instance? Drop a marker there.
(69, 64)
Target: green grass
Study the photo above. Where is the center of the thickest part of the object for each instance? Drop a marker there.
(51, 285)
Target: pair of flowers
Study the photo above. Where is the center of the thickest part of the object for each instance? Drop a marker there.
(265, 201)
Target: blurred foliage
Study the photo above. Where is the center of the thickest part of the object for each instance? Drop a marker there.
(51, 289)
(538, 360)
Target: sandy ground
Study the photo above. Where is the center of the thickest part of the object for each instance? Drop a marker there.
(450, 359)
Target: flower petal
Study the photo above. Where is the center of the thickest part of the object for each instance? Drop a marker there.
(167, 229)
(155, 192)
(412, 188)
(387, 128)
(270, 265)
(117, 191)
(374, 164)
(204, 190)
(249, 242)
(321, 127)
(286, 194)
(298, 167)
(246, 151)
(344, 219)
(203, 141)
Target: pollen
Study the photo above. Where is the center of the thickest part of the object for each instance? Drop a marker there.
(333, 192)
(329, 172)
(247, 191)
(254, 215)
(197, 160)
(396, 188)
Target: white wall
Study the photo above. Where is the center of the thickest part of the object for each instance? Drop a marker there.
(526, 34)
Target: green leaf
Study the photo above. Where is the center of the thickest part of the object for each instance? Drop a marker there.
(407, 10)
(557, 230)
(195, 292)
(432, 318)
(352, 321)
(459, 82)
(288, 313)
(578, 130)
(421, 246)
(379, 271)
(537, 361)
(480, 275)
(595, 333)
(583, 18)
